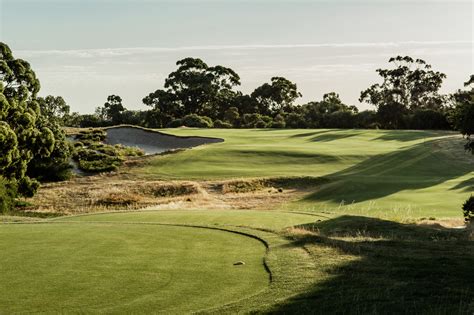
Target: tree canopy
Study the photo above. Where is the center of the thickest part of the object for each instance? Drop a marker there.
(25, 134)
(411, 85)
(462, 115)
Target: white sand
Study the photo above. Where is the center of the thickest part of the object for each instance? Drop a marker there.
(153, 142)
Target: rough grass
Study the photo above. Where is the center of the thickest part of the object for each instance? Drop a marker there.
(368, 265)
(249, 185)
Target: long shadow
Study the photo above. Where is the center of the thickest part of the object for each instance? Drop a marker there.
(416, 167)
(408, 135)
(282, 156)
(372, 266)
(467, 185)
(334, 135)
(309, 134)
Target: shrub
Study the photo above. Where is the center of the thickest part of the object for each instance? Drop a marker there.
(340, 119)
(424, 119)
(278, 122)
(468, 209)
(197, 121)
(221, 124)
(91, 135)
(366, 119)
(294, 120)
(261, 124)
(7, 196)
(175, 123)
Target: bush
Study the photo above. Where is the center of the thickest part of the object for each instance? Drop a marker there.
(261, 124)
(428, 119)
(7, 196)
(340, 119)
(175, 123)
(278, 122)
(294, 120)
(91, 135)
(366, 119)
(256, 121)
(221, 124)
(197, 121)
(468, 209)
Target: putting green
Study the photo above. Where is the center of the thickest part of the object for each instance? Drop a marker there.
(113, 267)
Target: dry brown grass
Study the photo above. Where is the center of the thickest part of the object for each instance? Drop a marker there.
(122, 191)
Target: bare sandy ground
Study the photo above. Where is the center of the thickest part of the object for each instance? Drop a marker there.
(153, 142)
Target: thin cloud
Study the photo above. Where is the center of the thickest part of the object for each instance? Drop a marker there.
(119, 52)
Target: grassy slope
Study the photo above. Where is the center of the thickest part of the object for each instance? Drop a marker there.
(394, 174)
(64, 268)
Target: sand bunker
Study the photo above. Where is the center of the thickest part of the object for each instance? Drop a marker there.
(153, 142)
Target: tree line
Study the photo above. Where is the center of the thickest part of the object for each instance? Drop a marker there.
(199, 95)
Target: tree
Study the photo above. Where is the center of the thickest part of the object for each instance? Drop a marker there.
(275, 97)
(231, 115)
(54, 108)
(318, 113)
(112, 110)
(197, 88)
(462, 116)
(25, 134)
(165, 108)
(411, 85)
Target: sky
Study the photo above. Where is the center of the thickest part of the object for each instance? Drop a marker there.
(85, 50)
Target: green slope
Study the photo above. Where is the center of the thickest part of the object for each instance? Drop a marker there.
(400, 174)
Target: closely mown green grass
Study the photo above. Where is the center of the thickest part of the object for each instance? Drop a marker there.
(124, 268)
(269, 220)
(394, 174)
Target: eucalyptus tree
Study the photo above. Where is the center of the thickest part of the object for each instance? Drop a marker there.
(25, 134)
(194, 88)
(410, 85)
(275, 97)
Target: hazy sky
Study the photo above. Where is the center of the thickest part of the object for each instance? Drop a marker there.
(85, 50)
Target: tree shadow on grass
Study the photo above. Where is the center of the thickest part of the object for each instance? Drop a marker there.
(309, 134)
(467, 185)
(334, 135)
(372, 266)
(283, 156)
(408, 135)
(416, 167)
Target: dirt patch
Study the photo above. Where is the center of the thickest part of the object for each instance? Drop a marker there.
(153, 142)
